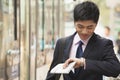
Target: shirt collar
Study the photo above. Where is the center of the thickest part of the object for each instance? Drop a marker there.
(77, 39)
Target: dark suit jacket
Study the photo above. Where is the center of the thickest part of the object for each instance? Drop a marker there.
(99, 54)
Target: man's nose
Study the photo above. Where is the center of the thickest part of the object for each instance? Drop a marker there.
(84, 31)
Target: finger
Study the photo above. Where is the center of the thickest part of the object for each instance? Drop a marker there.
(67, 62)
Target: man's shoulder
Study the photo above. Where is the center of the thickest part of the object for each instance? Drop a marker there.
(63, 39)
(101, 38)
(66, 37)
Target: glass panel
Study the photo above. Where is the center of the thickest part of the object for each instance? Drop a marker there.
(27, 35)
(49, 28)
(9, 53)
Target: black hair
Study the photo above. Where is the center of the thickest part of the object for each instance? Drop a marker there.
(86, 11)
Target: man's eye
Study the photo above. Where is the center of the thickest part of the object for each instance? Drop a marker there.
(80, 26)
(90, 27)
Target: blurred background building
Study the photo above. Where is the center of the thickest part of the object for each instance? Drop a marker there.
(29, 30)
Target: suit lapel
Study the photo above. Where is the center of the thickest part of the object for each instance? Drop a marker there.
(89, 46)
(68, 45)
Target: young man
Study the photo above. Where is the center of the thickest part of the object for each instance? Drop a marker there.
(118, 43)
(107, 34)
(96, 58)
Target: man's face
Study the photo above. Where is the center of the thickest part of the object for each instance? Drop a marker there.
(106, 32)
(85, 28)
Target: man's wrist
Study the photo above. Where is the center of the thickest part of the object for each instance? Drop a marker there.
(83, 63)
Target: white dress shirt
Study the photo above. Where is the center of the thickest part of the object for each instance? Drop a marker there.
(75, 45)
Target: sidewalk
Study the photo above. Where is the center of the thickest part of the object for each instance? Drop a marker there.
(42, 72)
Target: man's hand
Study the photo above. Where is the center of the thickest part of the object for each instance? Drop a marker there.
(79, 62)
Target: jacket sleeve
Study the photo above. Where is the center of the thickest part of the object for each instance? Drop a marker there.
(108, 66)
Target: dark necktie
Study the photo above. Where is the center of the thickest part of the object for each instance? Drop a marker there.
(78, 55)
(79, 50)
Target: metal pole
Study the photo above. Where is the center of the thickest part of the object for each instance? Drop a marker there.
(53, 24)
(29, 60)
(58, 19)
(42, 25)
(20, 39)
(36, 32)
(15, 19)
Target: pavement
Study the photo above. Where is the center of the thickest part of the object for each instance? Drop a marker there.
(42, 72)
